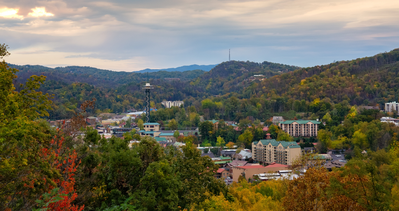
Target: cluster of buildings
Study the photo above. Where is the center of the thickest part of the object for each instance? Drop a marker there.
(154, 130)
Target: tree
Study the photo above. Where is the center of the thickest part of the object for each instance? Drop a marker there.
(360, 139)
(273, 130)
(197, 175)
(324, 137)
(3, 51)
(65, 161)
(23, 136)
(172, 124)
(206, 130)
(230, 145)
(283, 136)
(245, 139)
(220, 142)
(176, 134)
(140, 124)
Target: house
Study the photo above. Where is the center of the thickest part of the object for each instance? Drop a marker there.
(223, 173)
(300, 128)
(272, 151)
(249, 171)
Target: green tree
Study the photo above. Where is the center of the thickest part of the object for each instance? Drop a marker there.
(245, 139)
(220, 142)
(176, 134)
(140, 124)
(172, 124)
(283, 136)
(23, 136)
(324, 137)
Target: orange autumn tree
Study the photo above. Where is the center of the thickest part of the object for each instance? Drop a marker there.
(65, 161)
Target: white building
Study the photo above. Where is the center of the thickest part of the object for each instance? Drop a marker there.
(169, 104)
(392, 107)
(390, 120)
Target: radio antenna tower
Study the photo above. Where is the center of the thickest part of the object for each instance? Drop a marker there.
(229, 54)
(147, 89)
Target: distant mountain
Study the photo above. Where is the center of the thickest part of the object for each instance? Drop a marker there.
(180, 69)
(99, 77)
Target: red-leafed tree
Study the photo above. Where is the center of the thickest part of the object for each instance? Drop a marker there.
(65, 161)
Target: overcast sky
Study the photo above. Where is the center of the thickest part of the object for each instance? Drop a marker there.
(130, 35)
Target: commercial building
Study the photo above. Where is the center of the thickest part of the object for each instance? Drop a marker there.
(169, 104)
(272, 151)
(303, 128)
(277, 119)
(392, 107)
(153, 130)
(249, 171)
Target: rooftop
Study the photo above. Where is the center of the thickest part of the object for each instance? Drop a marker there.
(166, 134)
(149, 123)
(273, 142)
(300, 121)
(251, 167)
(220, 170)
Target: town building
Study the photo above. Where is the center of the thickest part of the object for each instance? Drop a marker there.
(272, 151)
(390, 120)
(300, 128)
(154, 130)
(249, 171)
(392, 107)
(223, 173)
(169, 104)
(281, 174)
(277, 119)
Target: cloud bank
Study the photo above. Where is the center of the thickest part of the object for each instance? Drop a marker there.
(132, 35)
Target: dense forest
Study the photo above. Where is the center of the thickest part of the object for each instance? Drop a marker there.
(121, 91)
(98, 77)
(226, 92)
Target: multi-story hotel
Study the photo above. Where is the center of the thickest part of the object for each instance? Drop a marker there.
(392, 107)
(270, 151)
(296, 128)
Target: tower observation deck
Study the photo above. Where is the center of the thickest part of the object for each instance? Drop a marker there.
(147, 89)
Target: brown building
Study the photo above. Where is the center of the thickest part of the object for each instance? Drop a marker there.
(300, 128)
(223, 173)
(249, 171)
(272, 151)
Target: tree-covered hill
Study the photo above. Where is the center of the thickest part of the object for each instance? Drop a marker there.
(233, 75)
(369, 80)
(282, 88)
(98, 77)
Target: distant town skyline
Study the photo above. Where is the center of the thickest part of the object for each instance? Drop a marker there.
(134, 35)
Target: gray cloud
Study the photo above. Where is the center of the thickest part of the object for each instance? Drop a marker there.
(132, 35)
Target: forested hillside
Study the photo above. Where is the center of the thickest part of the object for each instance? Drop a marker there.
(120, 91)
(370, 80)
(99, 77)
(282, 88)
(231, 76)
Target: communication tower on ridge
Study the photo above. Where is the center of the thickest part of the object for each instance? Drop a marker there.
(147, 89)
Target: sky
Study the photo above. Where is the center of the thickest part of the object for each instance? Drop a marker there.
(131, 35)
